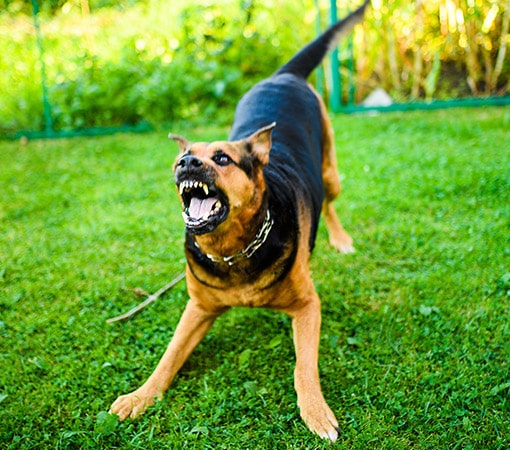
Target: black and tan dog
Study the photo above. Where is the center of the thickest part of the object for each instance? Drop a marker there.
(251, 207)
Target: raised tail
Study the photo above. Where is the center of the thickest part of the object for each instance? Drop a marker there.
(307, 59)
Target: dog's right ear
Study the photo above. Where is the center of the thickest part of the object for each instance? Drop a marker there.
(183, 143)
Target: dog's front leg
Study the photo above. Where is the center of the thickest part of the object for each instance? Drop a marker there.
(193, 326)
(306, 322)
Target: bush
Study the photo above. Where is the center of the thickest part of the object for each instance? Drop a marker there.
(114, 68)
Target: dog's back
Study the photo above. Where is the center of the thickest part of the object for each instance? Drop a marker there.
(295, 165)
(294, 169)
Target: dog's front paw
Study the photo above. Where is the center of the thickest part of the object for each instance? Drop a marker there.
(133, 405)
(319, 418)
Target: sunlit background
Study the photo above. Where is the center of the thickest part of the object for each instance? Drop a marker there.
(111, 63)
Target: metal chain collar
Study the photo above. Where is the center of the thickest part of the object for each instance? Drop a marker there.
(254, 245)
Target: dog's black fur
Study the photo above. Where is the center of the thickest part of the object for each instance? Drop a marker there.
(295, 166)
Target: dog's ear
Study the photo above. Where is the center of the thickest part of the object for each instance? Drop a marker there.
(183, 143)
(260, 143)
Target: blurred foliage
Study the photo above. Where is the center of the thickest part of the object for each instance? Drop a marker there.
(436, 48)
(55, 6)
(112, 63)
(154, 61)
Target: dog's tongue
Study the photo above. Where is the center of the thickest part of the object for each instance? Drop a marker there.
(198, 208)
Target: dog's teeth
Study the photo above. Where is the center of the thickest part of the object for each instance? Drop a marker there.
(188, 185)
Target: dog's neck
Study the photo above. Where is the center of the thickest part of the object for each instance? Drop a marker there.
(250, 249)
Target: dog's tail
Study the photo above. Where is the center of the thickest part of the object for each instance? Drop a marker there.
(307, 59)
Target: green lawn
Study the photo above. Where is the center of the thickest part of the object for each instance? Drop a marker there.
(415, 345)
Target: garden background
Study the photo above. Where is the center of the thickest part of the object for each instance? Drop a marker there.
(415, 341)
(116, 63)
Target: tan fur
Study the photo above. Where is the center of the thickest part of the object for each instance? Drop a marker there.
(338, 237)
(210, 295)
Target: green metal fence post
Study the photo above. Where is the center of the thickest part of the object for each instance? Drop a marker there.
(335, 99)
(350, 67)
(48, 119)
(49, 125)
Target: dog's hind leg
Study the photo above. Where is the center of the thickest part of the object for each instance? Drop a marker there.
(338, 237)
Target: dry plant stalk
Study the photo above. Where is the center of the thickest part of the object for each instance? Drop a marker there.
(152, 298)
(502, 48)
(418, 54)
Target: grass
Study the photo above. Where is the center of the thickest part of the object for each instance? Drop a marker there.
(415, 341)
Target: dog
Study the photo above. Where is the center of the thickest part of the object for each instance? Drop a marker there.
(251, 207)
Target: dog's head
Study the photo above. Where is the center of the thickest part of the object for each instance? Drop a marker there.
(221, 183)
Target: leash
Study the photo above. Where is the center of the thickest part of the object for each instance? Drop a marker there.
(150, 299)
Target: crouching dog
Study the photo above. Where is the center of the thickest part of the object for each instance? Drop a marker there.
(251, 207)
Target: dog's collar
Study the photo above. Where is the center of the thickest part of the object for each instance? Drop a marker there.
(252, 247)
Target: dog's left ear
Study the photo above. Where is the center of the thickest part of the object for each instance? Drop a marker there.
(260, 143)
(183, 143)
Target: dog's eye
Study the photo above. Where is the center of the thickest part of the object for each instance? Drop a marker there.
(222, 159)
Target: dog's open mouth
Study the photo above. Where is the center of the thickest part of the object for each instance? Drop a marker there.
(204, 207)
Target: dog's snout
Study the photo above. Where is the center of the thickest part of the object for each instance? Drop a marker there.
(189, 162)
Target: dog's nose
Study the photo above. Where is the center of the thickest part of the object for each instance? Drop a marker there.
(188, 162)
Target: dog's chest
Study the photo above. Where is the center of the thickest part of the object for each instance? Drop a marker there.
(248, 295)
